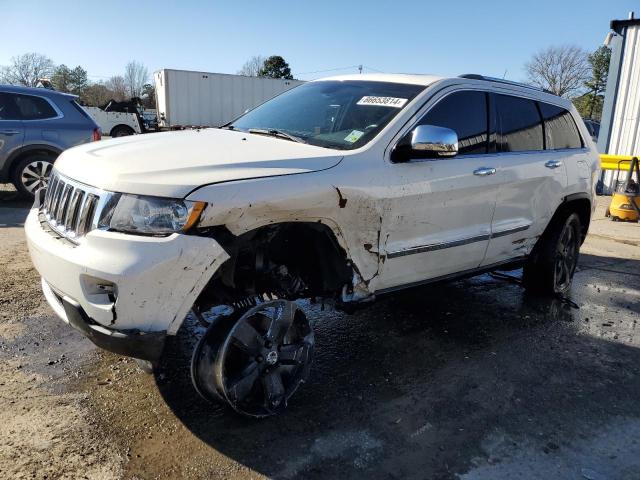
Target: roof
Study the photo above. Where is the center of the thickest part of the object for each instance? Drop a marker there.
(413, 79)
(44, 92)
(618, 25)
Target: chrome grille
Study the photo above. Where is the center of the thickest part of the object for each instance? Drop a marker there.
(71, 208)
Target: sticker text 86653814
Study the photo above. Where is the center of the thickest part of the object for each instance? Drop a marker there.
(383, 101)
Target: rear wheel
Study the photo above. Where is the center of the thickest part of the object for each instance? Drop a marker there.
(32, 173)
(553, 262)
(121, 131)
(255, 364)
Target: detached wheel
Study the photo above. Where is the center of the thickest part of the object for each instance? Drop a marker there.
(255, 364)
(555, 258)
(121, 131)
(32, 173)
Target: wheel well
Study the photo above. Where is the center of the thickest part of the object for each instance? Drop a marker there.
(27, 153)
(121, 126)
(581, 206)
(288, 260)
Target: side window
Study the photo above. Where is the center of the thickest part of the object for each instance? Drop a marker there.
(8, 110)
(519, 123)
(34, 108)
(466, 114)
(560, 129)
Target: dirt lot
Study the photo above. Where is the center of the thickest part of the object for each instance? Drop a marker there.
(472, 380)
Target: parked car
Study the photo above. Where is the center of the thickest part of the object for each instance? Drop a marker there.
(344, 189)
(593, 127)
(36, 125)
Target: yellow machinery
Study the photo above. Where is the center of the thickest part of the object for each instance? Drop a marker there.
(625, 201)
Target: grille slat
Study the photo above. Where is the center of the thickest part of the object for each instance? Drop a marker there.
(70, 207)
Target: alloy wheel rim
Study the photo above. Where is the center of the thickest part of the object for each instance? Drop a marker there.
(565, 259)
(256, 362)
(265, 358)
(35, 175)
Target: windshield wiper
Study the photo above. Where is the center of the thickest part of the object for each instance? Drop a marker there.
(276, 133)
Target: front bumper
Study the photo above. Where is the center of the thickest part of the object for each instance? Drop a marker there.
(132, 343)
(121, 284)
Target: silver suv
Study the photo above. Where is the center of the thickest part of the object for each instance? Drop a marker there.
(36, 125)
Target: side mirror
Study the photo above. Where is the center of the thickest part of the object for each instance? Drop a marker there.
(426, 141)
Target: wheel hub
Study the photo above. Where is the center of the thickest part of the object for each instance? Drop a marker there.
(272, 357)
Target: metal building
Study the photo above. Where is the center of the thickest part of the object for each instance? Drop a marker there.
(620, 127)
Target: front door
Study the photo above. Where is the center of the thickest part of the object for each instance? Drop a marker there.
(438, 216)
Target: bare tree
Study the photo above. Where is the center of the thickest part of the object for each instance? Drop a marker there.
(252, 67)
(561, 70)
(27, 69)
(118, 87)
(136, 76)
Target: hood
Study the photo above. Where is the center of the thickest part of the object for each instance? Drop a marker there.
(172, 164)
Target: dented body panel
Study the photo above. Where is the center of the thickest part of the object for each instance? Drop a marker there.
(126, 282)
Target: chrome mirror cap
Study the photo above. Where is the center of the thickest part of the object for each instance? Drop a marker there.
(440, 141)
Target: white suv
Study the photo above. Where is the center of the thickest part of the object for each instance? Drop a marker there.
(344, 188)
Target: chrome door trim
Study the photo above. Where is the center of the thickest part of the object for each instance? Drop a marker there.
(455, 243)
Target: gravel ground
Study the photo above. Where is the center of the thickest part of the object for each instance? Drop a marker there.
(473, 379)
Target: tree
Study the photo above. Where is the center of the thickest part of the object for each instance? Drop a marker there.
(597, 82)
(561, 70)
(275, 67)
(149, 96)
(118, 88)
(96, 95)
(136, 76)
(252, 67)
(27, 69)
(71, 81)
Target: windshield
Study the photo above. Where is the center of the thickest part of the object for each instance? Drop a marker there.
(333, 114)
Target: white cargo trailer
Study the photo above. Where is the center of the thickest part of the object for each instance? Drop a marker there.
(185, 98)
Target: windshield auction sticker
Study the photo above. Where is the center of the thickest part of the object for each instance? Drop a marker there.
(354, 136)
(383, 101)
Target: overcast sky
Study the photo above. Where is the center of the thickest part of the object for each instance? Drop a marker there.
(448, 38)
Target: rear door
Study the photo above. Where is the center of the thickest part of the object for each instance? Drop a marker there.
(533, 180)
(11, 129)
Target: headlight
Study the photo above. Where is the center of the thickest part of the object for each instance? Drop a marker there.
(149, 215)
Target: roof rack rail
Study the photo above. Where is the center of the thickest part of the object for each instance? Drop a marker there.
(475, 76)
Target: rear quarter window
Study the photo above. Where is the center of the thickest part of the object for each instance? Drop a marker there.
(519, 124)
(34, 108)
(559, 127)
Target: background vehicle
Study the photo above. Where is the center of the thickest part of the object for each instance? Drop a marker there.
(118, 119)
(36, 125)
(345, 189)
(186, 98)
(593, 127)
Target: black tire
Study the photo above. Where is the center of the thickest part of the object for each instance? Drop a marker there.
(32, 173)
(121, 131)
(553, 262)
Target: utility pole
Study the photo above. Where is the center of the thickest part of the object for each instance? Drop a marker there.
(360, 68)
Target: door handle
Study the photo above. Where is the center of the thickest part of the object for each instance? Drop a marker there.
(484, 171)
(553, 164)
(10, 132)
